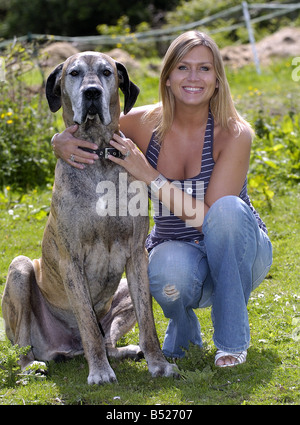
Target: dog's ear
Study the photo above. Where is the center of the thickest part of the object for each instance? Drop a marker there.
(53, 89)
(130, 90)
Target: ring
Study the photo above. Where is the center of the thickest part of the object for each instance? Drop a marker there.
(72, 158)
(127, 154)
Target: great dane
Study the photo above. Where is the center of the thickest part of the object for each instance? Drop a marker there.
(55, 304)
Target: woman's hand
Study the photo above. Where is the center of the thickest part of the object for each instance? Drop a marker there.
(67, 147)
(135, 161)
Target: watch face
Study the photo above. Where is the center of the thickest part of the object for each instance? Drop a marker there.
(158, 183)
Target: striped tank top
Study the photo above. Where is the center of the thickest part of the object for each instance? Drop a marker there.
(167, 226)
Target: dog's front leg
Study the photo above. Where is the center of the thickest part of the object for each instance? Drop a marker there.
(77, 289)
(137, 276)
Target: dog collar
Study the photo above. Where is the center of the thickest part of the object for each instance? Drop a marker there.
(103, 152)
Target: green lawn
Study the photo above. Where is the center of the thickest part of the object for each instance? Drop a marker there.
(271, 374)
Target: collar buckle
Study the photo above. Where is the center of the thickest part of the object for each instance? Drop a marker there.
(104, 152)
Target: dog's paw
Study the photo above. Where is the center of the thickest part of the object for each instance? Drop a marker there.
(128, 352)
(35, 367)
(102, 376)
(163, 368)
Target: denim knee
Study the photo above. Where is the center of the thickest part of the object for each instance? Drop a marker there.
(226, 217)
(166, 272)
(172, 269)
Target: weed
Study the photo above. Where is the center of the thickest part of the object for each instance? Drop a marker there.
(9, 367)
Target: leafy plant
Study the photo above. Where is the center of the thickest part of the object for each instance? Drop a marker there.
(26, 123)
(128, 39)
(275, 159)
(9, 367)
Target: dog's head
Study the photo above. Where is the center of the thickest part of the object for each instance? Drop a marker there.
(86, 86)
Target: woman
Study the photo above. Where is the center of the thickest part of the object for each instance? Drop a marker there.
(212, 247)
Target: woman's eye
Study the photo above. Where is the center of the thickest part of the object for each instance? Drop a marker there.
(204, 68)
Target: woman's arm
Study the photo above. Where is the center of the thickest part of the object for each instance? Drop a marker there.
(231, 165)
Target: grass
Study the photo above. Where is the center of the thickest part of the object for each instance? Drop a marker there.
(271, 375)
(269, 92)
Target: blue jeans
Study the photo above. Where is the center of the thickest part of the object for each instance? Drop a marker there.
(220, 271)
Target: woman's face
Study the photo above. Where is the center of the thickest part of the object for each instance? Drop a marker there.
(193, 81)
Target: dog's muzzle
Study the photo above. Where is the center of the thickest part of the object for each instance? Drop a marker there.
(95, 105)
(92, 93)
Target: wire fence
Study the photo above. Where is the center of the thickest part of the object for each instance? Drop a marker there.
(167, 34)
(241, 13)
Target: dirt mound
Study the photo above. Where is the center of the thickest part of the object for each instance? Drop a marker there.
(281, 44)
(56, 53)
(124, 57)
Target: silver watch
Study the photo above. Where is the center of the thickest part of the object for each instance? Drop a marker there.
(158, 183)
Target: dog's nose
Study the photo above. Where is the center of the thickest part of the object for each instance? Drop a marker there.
(92, 93)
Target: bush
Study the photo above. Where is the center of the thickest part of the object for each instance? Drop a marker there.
(26, 124)
(128, 39)
(9, 366)
(275, 159)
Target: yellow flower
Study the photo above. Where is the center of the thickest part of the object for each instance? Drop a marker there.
(7, 188)
(9, 114)
(9, 121)
(2, 115)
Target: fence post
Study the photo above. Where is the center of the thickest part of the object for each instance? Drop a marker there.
(2, 69)
(251, 35)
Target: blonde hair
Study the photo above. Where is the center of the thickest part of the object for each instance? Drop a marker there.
(221, 103)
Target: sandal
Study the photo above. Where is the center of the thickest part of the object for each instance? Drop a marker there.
(239, 358)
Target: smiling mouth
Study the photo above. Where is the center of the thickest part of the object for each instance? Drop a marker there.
(193, 89)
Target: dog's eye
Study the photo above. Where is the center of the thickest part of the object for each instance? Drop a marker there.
(74, 73)
(106, 72)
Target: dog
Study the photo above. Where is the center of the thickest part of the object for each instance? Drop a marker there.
(55, 304)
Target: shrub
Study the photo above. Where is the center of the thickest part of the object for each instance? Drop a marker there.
(128, 40)
(275, 158)
(26, 124)
(9, 366)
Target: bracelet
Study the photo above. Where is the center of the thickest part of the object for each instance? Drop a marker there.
(52, 139)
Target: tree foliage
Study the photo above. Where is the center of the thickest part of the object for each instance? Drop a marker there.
(74, 17)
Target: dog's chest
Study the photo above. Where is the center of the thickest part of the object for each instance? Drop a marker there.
(105, 203)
